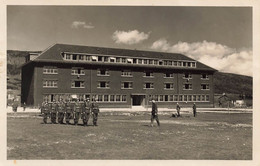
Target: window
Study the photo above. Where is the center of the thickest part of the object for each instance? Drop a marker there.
(148, 85)
(202, 97)
(118, 97)
(112, 59)
(123, 97)
(179, 63)
(180, 97)
(77, 71)
(189, 97)
(193, 64)
(185, 97)
(81, 57)
(175, 63)
(134, 60)
(105, 97)
(150, 61)
(67, 56)
(126, 85)
(74, 57)
(207, 97)
(166, 98)
(187, 86)
(175, 97)
(156, 97)
(50, 84)
(94, 58)
(77, 84)
(140, 61)
(155, 62)
(204, 86)
(102, 72)
(204, 76)
(194, 97)
(184, 64)
(123, 60)
(170, 97)
(103, 84)
(168, 75)
(100, 58)
(168, 86)
(187, 76)
(126, 73)
(100, 98)
(170, 63)
(129, 60)
(148, 74)
(118, 59)
(88, 58)
(198, 97)
(145, 61)
(105, 59)
(161, 98)
(50, 70)
(112, 97)
(164, 62)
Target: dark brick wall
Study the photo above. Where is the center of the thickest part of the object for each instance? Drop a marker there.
(91, 79)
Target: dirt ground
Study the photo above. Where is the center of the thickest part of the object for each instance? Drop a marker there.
(209, 136)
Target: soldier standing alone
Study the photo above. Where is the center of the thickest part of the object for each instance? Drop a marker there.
(86, 111)
(154, 113)
(178, 108)
(77, 111)
(95, 111)
(194, 110)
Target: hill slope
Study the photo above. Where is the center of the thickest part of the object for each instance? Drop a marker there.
(224, 82)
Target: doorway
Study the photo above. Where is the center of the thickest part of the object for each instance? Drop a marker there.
(137, 100)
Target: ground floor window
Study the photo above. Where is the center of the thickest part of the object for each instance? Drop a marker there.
(180, 98)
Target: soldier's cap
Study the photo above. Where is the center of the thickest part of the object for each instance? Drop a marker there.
(153, 101)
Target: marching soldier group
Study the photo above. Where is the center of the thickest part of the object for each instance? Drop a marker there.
(67, 110)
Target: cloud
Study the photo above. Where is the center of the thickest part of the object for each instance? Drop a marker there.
(218, 56)
(81, 24)
(130, 37)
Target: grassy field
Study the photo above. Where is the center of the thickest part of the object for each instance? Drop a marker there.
(208, 136)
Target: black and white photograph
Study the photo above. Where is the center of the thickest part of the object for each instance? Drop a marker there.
(119, 82)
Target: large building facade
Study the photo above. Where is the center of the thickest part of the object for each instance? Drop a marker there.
(116, 77)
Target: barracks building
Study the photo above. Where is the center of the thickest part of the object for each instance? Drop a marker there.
(116, 77)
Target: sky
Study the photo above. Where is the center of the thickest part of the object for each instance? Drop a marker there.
(220, 37)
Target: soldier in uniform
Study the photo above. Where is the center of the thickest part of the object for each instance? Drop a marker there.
(69, 111)
(77, 111)
(178, 108)
(53, 112)
(95, 111)
(61, 111)
(45, 111)
(154, 113)
(194, 110)
(86, 109)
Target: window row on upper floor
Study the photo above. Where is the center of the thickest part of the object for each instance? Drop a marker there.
(124, 85)
(124, 73)
(127, 60)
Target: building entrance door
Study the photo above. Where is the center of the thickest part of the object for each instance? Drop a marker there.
(137, 100)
